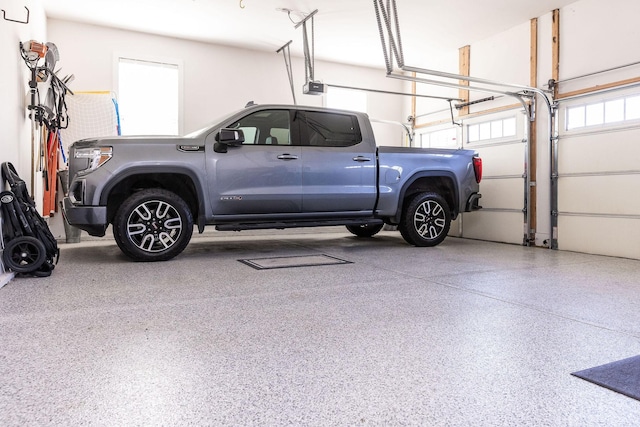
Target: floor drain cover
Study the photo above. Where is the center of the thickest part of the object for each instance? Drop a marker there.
(292, 261)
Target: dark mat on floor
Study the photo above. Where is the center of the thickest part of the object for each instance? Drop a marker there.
(622, 376)
(292, 261)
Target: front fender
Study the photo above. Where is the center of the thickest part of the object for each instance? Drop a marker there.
(124, 175)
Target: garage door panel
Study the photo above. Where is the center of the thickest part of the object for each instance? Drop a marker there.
(599, 152)
(494, 226)
(504, 193)
(596, 235)
(454, 230)
(613, 194)
(501, 160)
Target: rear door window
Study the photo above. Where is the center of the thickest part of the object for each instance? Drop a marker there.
(327, 129)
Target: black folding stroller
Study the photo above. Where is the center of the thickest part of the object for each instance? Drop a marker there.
(29, 245)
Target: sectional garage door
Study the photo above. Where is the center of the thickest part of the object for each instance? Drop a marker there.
(500, 139)
(599, 174)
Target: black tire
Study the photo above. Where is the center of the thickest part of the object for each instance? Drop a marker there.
(425, 220)
(24, 254)
(365, 230)
(153, 225)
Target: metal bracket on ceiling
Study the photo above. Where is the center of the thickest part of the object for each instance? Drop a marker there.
(309, 52)
(286, 53)
(453, 121)
(4, 16)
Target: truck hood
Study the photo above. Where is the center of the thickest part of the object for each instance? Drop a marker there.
(125, 140)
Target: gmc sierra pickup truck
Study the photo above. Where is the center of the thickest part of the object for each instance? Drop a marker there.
(266, 166)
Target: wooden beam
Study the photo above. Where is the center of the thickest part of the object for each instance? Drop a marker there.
(596, 88)
(464, 64)
(555, 46)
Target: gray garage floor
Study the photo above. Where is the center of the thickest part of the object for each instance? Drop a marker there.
(465, 334)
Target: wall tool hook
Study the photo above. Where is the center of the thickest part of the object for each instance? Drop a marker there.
(4, 15)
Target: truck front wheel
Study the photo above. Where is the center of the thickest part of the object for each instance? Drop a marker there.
(425, 220)
(153, 225)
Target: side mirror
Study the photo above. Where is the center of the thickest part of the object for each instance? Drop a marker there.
(230, 136)
(226, 138)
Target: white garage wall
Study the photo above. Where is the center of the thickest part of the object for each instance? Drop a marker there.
(597, 35)
(428, 109)
(217, 79)
(504, 58)
(15, 144)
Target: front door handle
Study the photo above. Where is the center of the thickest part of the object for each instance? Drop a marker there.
(287, 156)
(361, 159)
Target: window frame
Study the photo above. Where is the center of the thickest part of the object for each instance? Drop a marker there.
(572, 112)
(485, 131)
(257, 137)
(158, 60)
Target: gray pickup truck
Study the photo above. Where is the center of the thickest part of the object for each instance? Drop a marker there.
(266, 166)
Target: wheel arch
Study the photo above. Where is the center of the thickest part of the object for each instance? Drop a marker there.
(440, 182)
(181, 181)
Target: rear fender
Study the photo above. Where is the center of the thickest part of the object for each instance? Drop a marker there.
(441, 182)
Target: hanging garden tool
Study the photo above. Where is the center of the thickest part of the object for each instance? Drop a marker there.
(50, 114)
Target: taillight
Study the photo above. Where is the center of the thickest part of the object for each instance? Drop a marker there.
(477, 168)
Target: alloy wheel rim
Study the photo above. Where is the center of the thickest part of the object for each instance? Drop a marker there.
(154, 226)
(429, 219)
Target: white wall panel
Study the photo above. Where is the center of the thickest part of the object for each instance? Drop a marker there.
(217, 79)
(490, 61)
(597, 35)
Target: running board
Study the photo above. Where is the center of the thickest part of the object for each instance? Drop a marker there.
(296, 224)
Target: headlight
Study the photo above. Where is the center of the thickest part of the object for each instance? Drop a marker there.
(97, 156)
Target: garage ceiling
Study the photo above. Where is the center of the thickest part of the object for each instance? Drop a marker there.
(345, 30)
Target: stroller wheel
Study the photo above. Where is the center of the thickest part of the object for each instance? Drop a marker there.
(24, 254)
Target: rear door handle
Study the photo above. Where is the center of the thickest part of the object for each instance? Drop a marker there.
(361, 159)
(287, 157)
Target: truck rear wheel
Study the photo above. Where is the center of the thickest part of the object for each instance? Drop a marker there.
(425, 220)
(153, 225)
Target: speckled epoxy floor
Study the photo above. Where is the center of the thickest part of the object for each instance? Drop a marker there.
(465, 334)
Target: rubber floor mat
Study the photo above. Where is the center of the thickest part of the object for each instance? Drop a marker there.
(293, 261)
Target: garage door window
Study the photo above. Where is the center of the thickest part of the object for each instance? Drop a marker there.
(603, 112)
(444, 138)
(495, 129)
